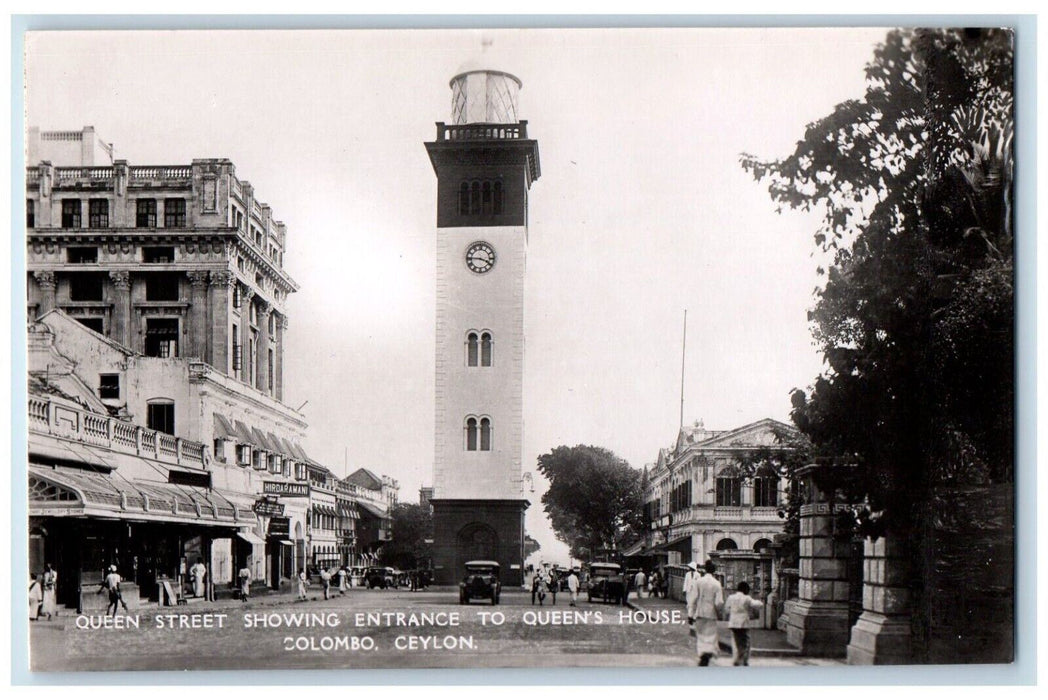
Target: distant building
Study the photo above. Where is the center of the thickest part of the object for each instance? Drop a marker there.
(378, 496)
(700, 505)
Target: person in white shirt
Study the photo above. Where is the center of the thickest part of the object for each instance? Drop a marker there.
(245, 582)
(739, 605)
(573, 587)
(112, 585)
(705, 598)
(691, 573)
(639, 581)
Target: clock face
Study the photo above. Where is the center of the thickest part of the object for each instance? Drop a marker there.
(480, 257)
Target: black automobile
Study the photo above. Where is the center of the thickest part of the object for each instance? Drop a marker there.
(606, 583)
(480, 582)
(379, 577)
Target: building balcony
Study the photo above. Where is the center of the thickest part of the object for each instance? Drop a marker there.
(732, 514)
(65, 420)
(482, 132)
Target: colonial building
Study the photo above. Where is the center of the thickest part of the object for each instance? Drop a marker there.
(375, 496)
(485, 165)
(701, 505)
(156, 294)
(169, 261)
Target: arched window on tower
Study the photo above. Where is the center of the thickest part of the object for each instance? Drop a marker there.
(485, 349)
(485, 435)
(472, 349)
(464, 198)
(485, 193)
(498, 197)
(471, 434)
(474, 197)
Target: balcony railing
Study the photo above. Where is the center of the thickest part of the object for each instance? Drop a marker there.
(72, 423)
(482, 132)
(64, 175)
(160, 172)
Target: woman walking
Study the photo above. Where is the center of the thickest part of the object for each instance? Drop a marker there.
(36, 595)
(49, 583)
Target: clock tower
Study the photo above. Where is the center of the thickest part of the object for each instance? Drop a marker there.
(485, 164)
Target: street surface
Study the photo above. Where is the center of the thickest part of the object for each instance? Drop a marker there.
(372, 629)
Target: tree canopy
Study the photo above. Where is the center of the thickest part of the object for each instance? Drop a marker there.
(914, 316)
(412, 526)
(594, 499)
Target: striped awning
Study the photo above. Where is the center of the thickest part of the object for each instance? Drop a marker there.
(373, 511)
(70, 492)
(262, 441)
(234, 430)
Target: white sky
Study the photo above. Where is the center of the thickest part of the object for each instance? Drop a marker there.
(642, 211)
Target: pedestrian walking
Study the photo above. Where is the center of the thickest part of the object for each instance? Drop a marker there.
(244, 576)
(36, 596)
(554, 585)
(739, 607)
(343, 575)
(303, 583)
(573, 588)
(197, 574)
(692, 572)
(49, 586)
(705, 599)
(640, 582)
(653, 583)
(111, 584)
(325, 579)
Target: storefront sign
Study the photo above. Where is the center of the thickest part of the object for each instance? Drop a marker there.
(268, 508)
(284, 488)
(279, 527)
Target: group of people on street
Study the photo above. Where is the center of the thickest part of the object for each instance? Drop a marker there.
(706, 605)
(651, 585)
(547, 580)
(42, 590)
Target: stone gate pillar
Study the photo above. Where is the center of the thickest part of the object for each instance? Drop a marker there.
(818, 619)
(883, 633)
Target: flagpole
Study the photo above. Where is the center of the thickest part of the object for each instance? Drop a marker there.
(683, 349)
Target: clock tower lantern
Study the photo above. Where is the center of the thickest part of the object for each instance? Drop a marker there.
(485, 164)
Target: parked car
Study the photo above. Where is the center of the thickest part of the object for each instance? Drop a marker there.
(380, 577)
(480, 582)
(606, 583)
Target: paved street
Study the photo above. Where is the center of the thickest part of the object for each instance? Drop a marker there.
(371, 629)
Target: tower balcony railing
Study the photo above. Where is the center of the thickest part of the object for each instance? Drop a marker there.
(64, 420)
(482, 131)
(160, 172)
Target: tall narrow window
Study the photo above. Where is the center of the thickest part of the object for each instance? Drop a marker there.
(30, 213)
(269, 372)
(162, 337)
(161, 416)
(485, 434)
(145, 213)
(174, 213)
(485, 350)
(485, 194)
(766, 491)
(498, 197)
(471, 434)
(98, 213)
(464, 198)
(729, 491)
(471, 350)
(70, 213)
(474, 197)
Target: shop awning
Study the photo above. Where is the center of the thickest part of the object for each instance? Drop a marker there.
(372, 510)
(676, 545)
(347, 511)
(278, 444)
(326, 510)
(262, 441)
(70, 492)
(233, 430)
(244, 433)
(300, 454)
(289, 543)
(251, 537)
(634, 549)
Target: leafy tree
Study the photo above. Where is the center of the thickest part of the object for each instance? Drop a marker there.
(914, 317)
(412, 526)
(594, 499)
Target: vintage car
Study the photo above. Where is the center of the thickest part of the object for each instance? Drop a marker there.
(606, 583)
(480, 582)
(380, 577)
